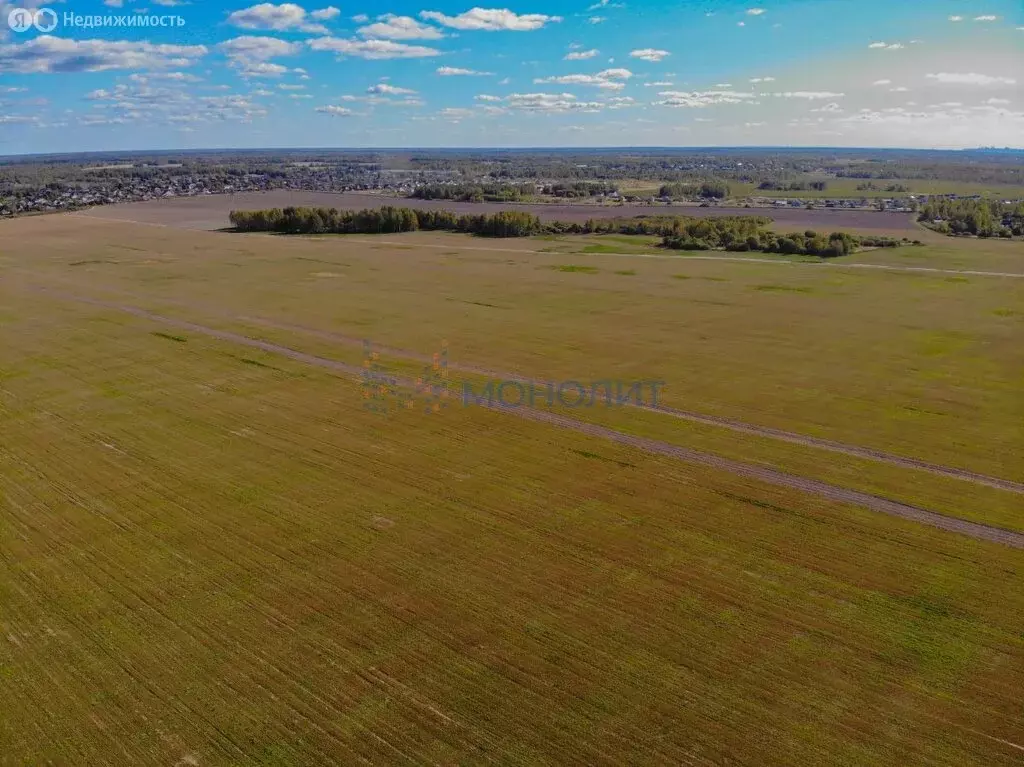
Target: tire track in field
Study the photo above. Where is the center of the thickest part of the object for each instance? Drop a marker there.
(768, 432)
(771, 476)
(686, 415)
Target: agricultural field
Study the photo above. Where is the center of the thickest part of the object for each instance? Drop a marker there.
(846, 188)
(212, 552)
(211, 212)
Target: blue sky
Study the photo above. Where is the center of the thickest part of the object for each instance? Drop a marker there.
(916, 73)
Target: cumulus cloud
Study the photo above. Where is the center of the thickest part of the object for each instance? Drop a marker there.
(55, 54)
(335, 111)
(956, 18)
(970, 78)
(609, 79)
(762, 79)
(401, 28)
(755, 11)
(391, 90)
(649, 54)
(487, 97)
(325, 14)
(371, 49)
(459, 71)
(280, 18)
(700, 99)
(581, 55)
(491, 20)
(597, 19)
(986, 18)
(809, 95)
(551, 102)
(456, 113)
(258, 48)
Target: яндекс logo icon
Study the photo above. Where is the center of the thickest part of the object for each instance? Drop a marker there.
(22, 19)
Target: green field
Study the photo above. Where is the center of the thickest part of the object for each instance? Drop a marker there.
(214, 554)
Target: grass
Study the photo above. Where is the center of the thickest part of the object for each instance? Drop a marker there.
(220, 558)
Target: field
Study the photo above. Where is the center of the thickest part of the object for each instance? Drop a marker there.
(211, 212)
(846, 188)
(212, 553)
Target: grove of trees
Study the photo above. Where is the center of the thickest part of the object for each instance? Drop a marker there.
(733, 233)
(978, 217)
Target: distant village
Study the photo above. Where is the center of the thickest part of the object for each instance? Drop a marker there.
(107, 185)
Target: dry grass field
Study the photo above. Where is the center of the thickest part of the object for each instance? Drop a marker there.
(212, 553)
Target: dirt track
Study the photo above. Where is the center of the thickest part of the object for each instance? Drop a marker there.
(772, 476)
(211, 211)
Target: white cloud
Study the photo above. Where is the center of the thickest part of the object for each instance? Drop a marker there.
(371, 49)
(491, 20)
(659, 84)
(829, 108)
(550, 102)
(997, 102)
(456, 71)
(401, 28)
(581, 55)
(755, 11)
(887, 46)
(258, 48)
(487, 97)
(55, 54)
(360, 18)
(899, 89)
(649, 54)
(970, 78)
(391, 90)
(335, 111)
(456, 113)
(700, 99)
(286, 16)
(285, 87)
(809, 95)
(325, 14)
(882, 82)
(597, 19)
(956, 18)
(607, 78)
(985, 18)
(762, 79)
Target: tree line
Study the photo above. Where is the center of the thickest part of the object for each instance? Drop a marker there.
(474, 192)
(712, 189)
(733, 233)
(793, 186)
(384, 220)
(981, 217)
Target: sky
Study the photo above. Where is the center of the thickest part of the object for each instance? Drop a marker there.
(175, 74)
